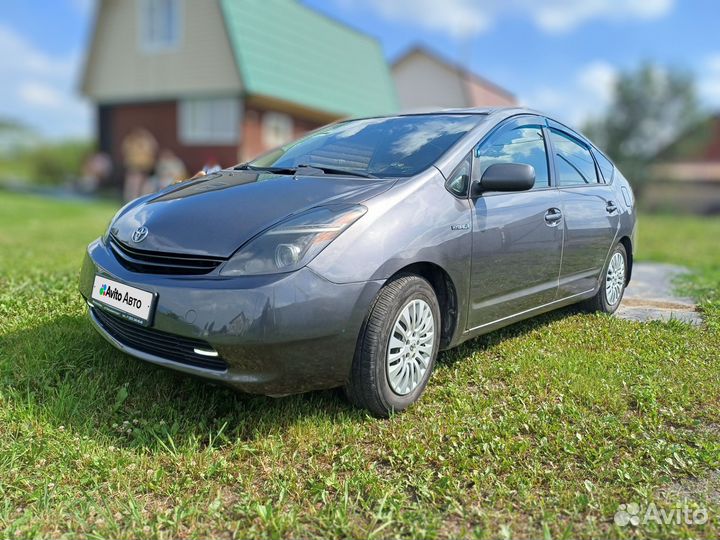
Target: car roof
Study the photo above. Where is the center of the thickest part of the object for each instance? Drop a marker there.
(470, 110)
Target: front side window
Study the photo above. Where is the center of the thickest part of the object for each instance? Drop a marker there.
(209, 121)
(159, 24)
(394, 146)
(524, 145)
(573, 162)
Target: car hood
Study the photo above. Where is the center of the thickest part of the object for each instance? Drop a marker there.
(216, 215)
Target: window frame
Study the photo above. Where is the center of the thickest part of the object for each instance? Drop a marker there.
(148, 47)
(278, 117)
(596, 152)
(184, 129)
(515, 122)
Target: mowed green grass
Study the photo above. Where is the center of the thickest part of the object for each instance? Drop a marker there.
(538, 430)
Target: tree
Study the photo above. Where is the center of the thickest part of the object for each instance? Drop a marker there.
(650, 108)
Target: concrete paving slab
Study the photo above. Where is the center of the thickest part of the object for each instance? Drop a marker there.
(651, 297)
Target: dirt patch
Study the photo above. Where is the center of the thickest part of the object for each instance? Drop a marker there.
(657, 304)
(705, 488)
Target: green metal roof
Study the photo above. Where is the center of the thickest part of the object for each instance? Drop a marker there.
(287, 51)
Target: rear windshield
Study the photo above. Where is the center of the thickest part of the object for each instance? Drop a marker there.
(395, 146)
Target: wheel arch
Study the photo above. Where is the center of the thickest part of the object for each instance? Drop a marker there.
(446, 293)
(627, 244)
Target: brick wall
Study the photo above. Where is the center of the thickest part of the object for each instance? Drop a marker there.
(160, 119)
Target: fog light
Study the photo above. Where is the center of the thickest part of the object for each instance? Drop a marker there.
(205, 352)
(286, 255)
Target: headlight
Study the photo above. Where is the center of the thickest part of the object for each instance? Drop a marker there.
(292, 243)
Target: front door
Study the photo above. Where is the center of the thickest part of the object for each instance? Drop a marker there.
(517, 237)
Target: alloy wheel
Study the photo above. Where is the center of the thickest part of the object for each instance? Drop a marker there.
(411, 347)
(615, 278)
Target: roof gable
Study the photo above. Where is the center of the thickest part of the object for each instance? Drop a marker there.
(460, 70)
(287, 51)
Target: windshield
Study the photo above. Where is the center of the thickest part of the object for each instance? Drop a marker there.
(395, 146)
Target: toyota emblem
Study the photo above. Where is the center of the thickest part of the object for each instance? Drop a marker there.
(140, 234)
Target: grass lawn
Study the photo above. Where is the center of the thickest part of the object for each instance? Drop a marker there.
(538, 430)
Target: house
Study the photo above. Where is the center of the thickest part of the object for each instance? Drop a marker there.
(686, 174)
(426, 80)
(225, 80)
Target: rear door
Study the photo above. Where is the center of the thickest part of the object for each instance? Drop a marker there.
(590, 213)
(517, 237)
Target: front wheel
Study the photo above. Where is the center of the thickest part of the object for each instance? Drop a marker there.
(396, 348)
(612, 286)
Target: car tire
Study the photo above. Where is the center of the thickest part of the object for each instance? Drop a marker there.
(389, 377)
(612, 285)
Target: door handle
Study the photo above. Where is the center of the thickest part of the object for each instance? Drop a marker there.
(610, 207)
(553, 216)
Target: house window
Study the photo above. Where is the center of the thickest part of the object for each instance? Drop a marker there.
(277, 129)
(209, 121)
(159, 24)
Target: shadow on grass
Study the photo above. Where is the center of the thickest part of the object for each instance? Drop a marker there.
(61, 372)
(518, 329)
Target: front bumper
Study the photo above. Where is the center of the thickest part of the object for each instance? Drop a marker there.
(279, 334)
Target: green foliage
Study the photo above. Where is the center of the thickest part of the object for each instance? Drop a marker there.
(538, 430)
(46, 163)
(57, 163)
(651, 106)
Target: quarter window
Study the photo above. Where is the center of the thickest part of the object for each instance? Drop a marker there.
(459, 181)
(574, 162)
(159, 24)
(525, 145)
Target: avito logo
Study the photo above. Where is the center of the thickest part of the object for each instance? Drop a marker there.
(109, 292)
(115, 294)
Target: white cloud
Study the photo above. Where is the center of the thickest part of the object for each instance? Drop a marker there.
(709, 80)
(40, 88)
(584, 95)
(455, 17)
(462, 18)
(565, 15)
(83, 6)
(598, 80)
(37, 93)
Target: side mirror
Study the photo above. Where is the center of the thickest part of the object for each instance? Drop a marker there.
(506, 177)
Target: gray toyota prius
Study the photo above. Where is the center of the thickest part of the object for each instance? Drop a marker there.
(350, 257)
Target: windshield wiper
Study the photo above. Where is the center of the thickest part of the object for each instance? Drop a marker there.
(293, 170)
(278, 170)
(333, 170)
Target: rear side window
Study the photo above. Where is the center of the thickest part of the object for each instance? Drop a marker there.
(524, 144)
(606, 167)
(573, 161)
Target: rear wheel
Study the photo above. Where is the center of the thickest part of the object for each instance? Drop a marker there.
(396, 348)
(612, 286)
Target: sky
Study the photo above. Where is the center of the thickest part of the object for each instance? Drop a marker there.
(558, 56)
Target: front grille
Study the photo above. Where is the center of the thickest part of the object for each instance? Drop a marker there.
(153, 262)
(168, 346)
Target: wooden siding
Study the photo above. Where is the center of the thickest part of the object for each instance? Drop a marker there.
(119, 70)
(423, 82)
